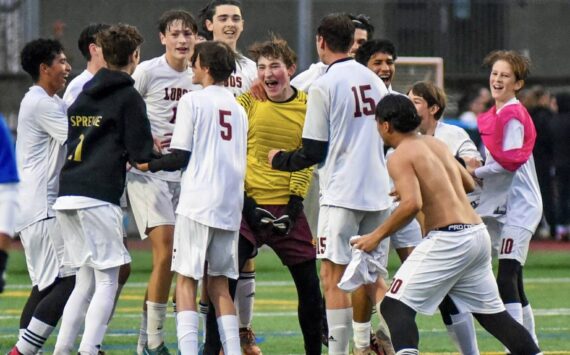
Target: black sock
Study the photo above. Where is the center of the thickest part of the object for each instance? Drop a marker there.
(50, 308)
(401, 321)
(310, 303)
(509, 332)
(3, 262)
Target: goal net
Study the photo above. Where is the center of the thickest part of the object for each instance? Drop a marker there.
(412, 69)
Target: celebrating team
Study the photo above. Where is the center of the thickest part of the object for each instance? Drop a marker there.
(211, 178)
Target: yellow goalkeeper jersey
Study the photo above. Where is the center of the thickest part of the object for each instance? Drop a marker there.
(274, 125)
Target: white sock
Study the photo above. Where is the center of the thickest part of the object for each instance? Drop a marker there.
(156, 313)
(142, 333)
(75, 310)
(115, 301)
(462, 332)
(229, 334)
(340, 322)
(361, 334)
(34, 337)
(528, 321)
(187, 332)
(245, 296)
(408, 352)
(99, 309)
(515, 310)
(204, 308)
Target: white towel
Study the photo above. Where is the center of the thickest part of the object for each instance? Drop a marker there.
(364, 268)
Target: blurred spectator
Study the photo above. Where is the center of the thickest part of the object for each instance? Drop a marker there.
(537, 102)
(473, 102)
(560, 130)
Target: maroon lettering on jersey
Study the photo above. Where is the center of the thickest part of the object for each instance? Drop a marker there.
(233, 82)
(174, 94)
(166, 96)
(396, 284)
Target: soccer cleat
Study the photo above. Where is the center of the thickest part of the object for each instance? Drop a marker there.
(363, 351)
(374, 346)
(14, 351)
(384, 342)
(161, 350)
(247, 342)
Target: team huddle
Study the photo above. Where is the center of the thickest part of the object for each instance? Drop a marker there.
(215, 153)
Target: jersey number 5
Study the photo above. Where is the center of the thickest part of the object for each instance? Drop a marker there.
(226, 131)
(362, 103)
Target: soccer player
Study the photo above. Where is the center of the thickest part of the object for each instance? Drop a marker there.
(339, 134)
(224, 21)
(510, 203)
(279, 195)
(107, 125)
(92, 53)
(42, 131)
(161, 81)
(379, 55)
(8, 196)
(94, 57)
(455, 257)
(210, 138)
(363, 31)
(430, 102)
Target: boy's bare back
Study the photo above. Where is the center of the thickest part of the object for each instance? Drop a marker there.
(423, 168)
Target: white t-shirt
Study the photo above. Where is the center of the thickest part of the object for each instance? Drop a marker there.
(75, 87)
(161, 88)
(516, 193)
(304, 80)
(213, 127)
(340, 110)
(240, 81)
(40, 154)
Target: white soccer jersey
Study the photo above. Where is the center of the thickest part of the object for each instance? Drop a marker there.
(304, 80)
(213, 127)
(459, 144)
(241, 80)
(457, 140)
(161, 88)
(340, 110)
(516, 194)
(42, 131)
(75, 87)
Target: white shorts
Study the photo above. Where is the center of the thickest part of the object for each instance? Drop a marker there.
(196, 243)
(153, 201)
(454, 263)
(338, 224)
(44, 249)
(409, 236)
(509, 242)
(8, 208)
(94, 237)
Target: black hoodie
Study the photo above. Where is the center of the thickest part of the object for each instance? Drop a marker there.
(107, 126)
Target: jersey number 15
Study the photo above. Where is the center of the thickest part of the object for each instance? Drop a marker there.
(362, 103)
